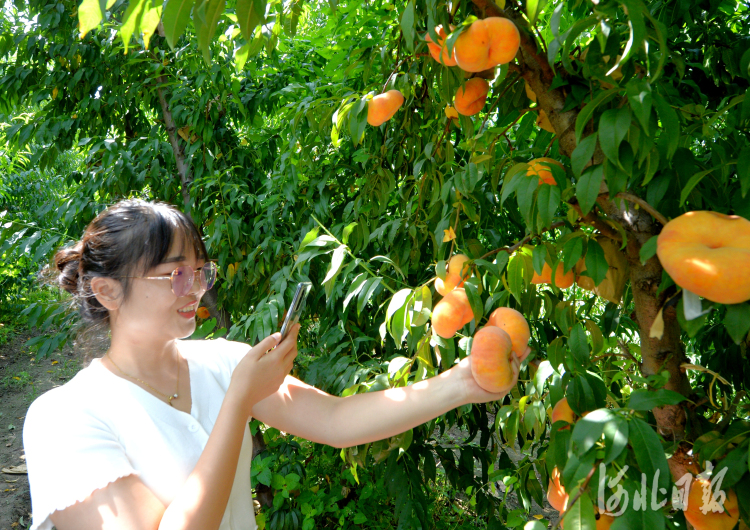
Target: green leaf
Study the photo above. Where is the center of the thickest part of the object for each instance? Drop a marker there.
(588, 111)
(397, 302)
(613, 126)
(572, 252)
(648, 399)
(337, 260)
(367, 292)
(582, 154)
(736, 465)
(586, 392)
(517, 281)
(475, 301)
(615, 438)
(693, 182)
(90, 14)
(648, 452)
(150, 20)
(525, 192)
(640, 100)
(588, 186)
(635, 10)
(175, 20)
(571, 36)
(131, 20)
(596, 263)
(213, 11)
(538, 255)
(670, 124)
(643, 518)
(580, 516)
(534, 8)
(556, 352)
(512, 179)
(579, 346)
(407, 25)
(548, 200)
(250, 13)
(737, 321)
(277, 482)
(240, 57)
(589, 430)
(648, 250)
(358, 120)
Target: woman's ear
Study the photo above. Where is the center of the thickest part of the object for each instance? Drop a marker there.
(108, 292)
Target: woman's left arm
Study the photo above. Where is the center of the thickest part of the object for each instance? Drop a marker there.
(309, 413)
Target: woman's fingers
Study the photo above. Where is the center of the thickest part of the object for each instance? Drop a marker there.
(267, 343)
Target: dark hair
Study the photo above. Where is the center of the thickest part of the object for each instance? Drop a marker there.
(126, 239)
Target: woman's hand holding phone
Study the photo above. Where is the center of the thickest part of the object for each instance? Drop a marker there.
(263, 369)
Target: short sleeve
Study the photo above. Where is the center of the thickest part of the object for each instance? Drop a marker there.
(70, 453)
(230, 352)
(218, 357)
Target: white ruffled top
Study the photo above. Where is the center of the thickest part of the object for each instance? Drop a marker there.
(99, 427)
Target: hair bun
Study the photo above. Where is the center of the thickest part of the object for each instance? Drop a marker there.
(67, 261)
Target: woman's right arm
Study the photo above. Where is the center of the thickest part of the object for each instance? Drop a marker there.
(200, 504)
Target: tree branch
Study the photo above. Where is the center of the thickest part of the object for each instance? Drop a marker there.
(643, 204)
(186, 179)
(513, 248)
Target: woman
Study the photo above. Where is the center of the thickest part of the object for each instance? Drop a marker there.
(154, 434)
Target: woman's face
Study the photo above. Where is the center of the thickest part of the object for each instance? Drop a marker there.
(152, 312)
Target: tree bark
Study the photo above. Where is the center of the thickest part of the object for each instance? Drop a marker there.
(186, 179)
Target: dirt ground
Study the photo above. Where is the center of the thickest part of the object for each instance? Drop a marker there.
(22, 381)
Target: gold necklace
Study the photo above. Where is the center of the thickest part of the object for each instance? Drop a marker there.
(165, 396)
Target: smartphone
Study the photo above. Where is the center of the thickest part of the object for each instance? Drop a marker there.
(298, 304)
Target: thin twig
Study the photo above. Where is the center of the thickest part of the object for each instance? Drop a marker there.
(729, 416)
(521, 115)
(364, 266)
(513, 248)
(626, 352)
(643, 204)
(605, 355)
(497, 100)
(455, 236)
(550, 145)
(445, 132)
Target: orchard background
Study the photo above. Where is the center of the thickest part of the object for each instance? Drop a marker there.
(251, 115)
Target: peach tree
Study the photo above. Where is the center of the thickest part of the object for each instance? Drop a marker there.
(253, 116)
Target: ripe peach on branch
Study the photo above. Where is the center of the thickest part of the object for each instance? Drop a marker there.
(439, 51)
(470, 98)
(492, 360)
(451, 313)
(517, 328)
(563, 279)
(487, 43)
(382, 107)
(708, 253)
(457, 272)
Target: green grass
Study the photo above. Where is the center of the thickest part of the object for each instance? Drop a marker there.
(17, 381)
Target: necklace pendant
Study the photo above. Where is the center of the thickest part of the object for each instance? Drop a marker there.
(175, 396)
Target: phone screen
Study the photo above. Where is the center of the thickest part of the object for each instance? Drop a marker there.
(298, 305)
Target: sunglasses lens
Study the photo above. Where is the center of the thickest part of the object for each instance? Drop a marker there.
(208, 275)
(182, 280)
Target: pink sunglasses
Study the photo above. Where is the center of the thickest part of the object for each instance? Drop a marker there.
(182, 278)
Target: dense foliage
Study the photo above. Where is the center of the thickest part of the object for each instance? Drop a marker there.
(252, 116)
